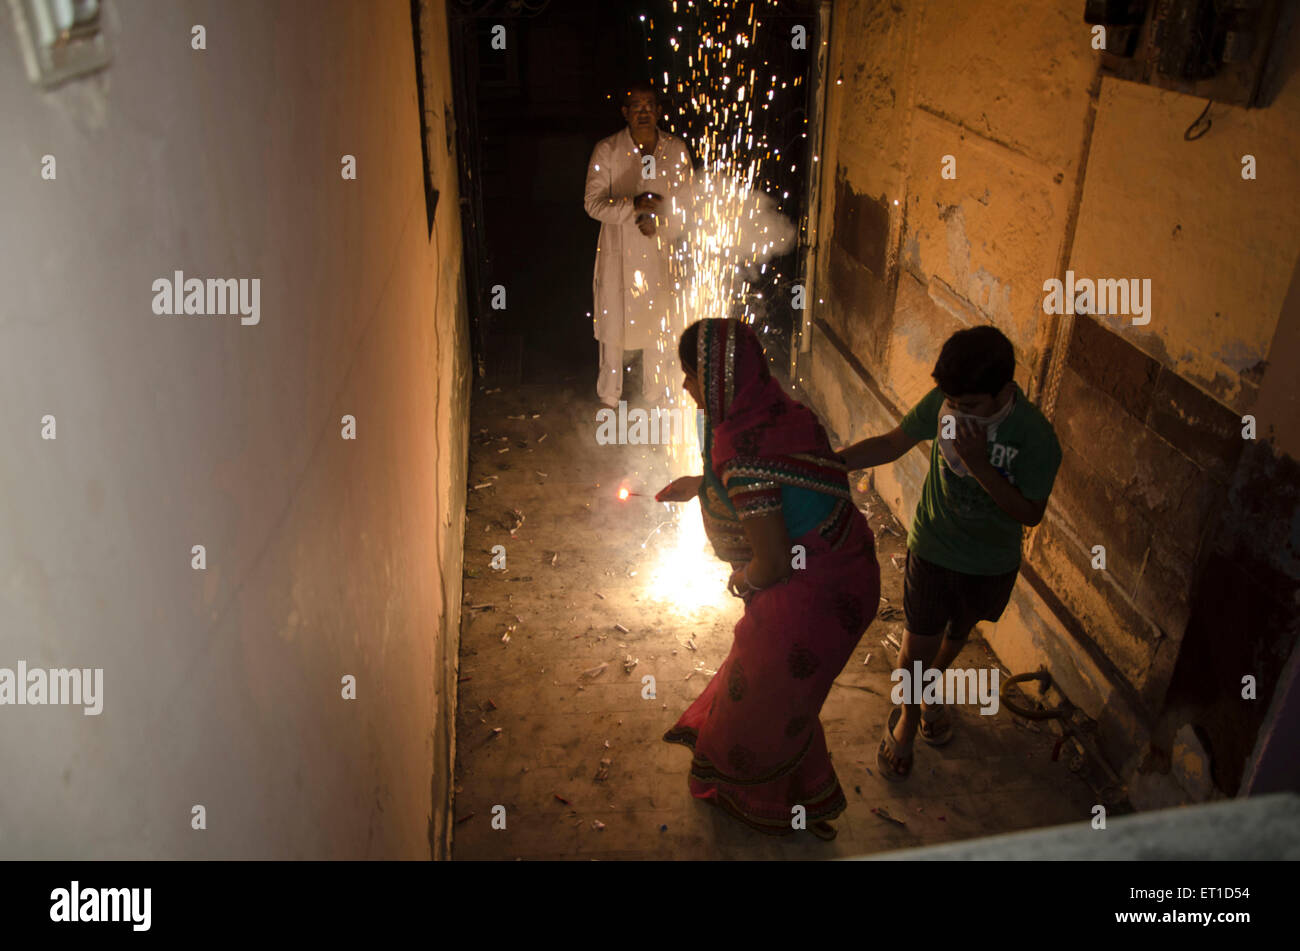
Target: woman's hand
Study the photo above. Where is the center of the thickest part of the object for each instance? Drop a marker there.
(680, 490)
(737, 584)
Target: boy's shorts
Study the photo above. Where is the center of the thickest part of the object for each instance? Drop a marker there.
(938, 600)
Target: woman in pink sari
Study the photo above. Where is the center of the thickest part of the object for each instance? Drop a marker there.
(776, 506)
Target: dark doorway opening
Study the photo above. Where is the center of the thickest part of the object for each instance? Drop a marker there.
(537, 85)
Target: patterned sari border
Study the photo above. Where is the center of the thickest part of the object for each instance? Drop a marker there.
(825, 804)
(703, 769)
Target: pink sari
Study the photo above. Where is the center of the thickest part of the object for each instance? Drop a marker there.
(755, 730)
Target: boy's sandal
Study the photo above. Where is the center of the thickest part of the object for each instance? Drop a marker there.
(823, 830)
(936, 725)
(892, 766)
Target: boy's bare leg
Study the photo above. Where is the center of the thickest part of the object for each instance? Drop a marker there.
(946, 654)
(924, 649)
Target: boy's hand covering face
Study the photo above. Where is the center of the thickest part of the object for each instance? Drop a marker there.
(967, 447)
(971, 442)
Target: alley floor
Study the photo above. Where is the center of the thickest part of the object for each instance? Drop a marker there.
(572, 753)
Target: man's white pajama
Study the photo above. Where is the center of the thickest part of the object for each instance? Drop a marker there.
(633, 296)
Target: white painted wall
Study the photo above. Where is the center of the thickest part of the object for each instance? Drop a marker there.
(325, 557)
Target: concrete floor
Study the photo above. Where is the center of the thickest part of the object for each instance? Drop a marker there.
(556, 726)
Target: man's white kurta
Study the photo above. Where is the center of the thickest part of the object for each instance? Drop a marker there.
(632, 291)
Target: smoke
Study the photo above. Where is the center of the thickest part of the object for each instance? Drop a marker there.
(726, 227)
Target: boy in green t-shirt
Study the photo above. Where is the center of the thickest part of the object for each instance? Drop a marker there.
(992, 464)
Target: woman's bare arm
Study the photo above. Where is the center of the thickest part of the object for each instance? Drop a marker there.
(682, 489)
(771, 546)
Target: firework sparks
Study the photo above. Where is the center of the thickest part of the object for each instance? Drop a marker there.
(726, 229)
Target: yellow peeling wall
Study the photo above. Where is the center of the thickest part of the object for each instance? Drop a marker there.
(1057, 167)
(1219, 249)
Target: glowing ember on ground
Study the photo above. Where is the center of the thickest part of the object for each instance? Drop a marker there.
(622, 494)
(686, 574)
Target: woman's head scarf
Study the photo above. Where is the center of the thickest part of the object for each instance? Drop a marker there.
(756, 438)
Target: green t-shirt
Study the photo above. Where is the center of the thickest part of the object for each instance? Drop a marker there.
(957, 524)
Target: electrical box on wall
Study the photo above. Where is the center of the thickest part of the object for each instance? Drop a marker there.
(60, 39)
(1215, 49)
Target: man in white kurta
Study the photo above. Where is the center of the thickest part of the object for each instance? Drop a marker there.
(632, 179)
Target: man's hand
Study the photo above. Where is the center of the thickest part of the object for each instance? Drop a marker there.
(646, 225)
(647, 201)
(680, 490)
(971, 444)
